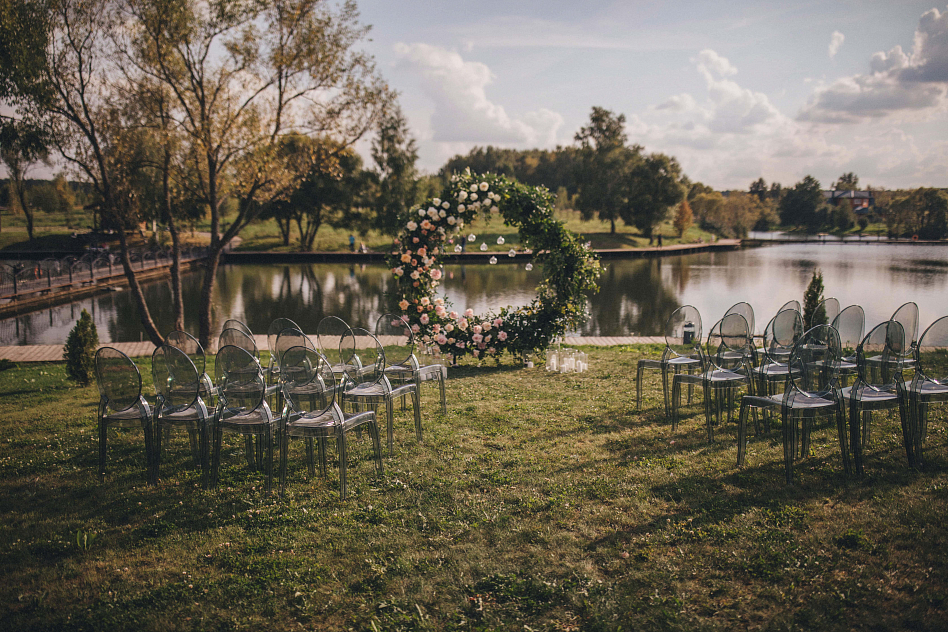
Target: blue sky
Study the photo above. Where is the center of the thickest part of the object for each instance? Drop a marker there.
(734, 90)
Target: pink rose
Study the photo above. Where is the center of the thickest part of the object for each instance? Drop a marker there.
(460, 344)
(477, 337)
(453, 315)
(439, 310)
(502, 336)
(436, 328)
(462, 324)
(469, 313)
(476, 353)
(477, 329)
(403, 305)
(436, 274)
(415, 328)
(424, 319)
(441, 339)
(498, 322)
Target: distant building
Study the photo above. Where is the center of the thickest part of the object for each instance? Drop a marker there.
(862, 202)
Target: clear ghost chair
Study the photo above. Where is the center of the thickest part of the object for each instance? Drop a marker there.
(850, 324)
(929, 384)
(312, 412)
(907, 316)
(813, 388)
(745, 310)
(683, 335)
(238, 338)
(791, 304)
(727, 340)
(233, 323)
(330, 334)
(190, 345)
(378, 390)
(121, 403)
(878, 386)
(781, 333)
(825, 313)
(273, 332)
(179, 403)
(395, 334)
(242, 407)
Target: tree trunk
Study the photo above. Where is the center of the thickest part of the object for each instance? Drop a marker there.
(177, 302)
(20, 188)
(136, 289)
(612, 226)
(207, 293)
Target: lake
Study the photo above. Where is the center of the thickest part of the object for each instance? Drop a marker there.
(636, 296)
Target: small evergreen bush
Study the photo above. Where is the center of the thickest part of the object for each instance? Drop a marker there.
(79, 352)
(813, 313)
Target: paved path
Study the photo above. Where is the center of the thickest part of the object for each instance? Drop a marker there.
(53, 353)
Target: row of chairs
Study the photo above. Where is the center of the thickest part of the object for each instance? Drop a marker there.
(804, 373)
(325, 389)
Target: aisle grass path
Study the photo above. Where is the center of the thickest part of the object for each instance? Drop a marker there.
(539, 502)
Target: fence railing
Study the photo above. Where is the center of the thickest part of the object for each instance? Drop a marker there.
(24, 278)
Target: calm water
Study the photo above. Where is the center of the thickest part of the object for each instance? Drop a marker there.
(636, 297)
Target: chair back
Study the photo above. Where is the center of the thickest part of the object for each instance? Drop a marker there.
(745, 310)
(815, 361)
(304, 374)
(907, 315)
(683, 333)
(793, 304)
(175, 377)
(190, 345)
(781, 333)
(237, 338)
(395, 334)
(233, 323)
(728, 342)
(240, 378)
(877, 357)
(371, 353)
(850, 324)
(273, 332)
(931, 353)
(286, 339)
(335, 341)
(825, 313)
(118, 379)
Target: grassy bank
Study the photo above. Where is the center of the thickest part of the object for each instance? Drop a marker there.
(541, 502)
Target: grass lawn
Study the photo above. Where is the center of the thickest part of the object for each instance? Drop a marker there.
(539, 502)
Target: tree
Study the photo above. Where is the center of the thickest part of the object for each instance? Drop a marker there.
(605, 165)
(800, 204)
(923, 212)
(79, 350)
(814, 313)
(20, 149)
(395, 154)
(289, 68)
(683, 218)
(847, 182)
(652, 189)
(759, 188)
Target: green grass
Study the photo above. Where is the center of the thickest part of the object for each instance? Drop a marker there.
(540, 501)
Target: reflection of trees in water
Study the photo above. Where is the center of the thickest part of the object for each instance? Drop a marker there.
(497, 285)
(307, 293)
(636, 300)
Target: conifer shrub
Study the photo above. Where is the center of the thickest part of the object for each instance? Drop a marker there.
(79, 352)
(813, 312)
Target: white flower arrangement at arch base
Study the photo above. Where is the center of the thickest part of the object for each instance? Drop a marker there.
(571, 270)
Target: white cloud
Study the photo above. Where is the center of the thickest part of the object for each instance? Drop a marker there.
(899, 83)
(836, 41)
(463, 113)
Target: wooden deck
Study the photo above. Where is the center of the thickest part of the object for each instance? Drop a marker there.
(54, 353)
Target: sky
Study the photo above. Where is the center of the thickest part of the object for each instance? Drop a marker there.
(734, 90)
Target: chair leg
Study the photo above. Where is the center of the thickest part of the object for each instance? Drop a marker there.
(444, 401)
(284, 449)
(855, 440)
(218, 439)
(269, 436)
(416, 400)
(376, 443)
(676, 395)
(843, 437)
(343, 457)
(390, 422)
(322, 456)
(789, 443)
(310, 465)
(742, 433)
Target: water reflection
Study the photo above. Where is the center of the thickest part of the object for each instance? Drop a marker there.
(637, 296)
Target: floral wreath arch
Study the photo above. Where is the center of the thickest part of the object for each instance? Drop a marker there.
(570, 269)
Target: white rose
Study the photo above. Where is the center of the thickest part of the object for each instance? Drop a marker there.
(494, 209)
(473, 196)
(462, 196)
(442, 213)
(414, 275)
(436, 201)
(421, 212)
(484, 186)
(473, 187)
(451, 220)
(461, 208)
(445, 205)
(411, 225)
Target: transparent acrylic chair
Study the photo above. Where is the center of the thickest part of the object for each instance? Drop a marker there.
(907, 316)
(377, 390)
(850, 323)
(683, 335)
(728, 339)
(273, 332)
(312, 412)
(745, 310)
(238, 338)
(878, 386)
(826, 312)
(179, 403)
(929, 385)
(193, 349)
(330, 334)
(121, 404)
(791, 304)
(394, 332)
(813, 388)
(781, 333)
(233, 323)
(242, 408)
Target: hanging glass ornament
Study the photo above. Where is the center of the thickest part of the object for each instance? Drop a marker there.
(511, 253)
(500, 240)
(483, 246)
(457, 248)
(528, 267)
(493, 260)
(471, 237)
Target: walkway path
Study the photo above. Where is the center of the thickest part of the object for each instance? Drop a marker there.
(53, 353)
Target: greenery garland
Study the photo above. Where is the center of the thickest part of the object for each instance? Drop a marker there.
(570, 269)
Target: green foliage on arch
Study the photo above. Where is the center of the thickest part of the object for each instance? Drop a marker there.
(570, 269)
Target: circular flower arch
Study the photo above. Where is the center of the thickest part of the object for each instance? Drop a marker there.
(570, 269)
